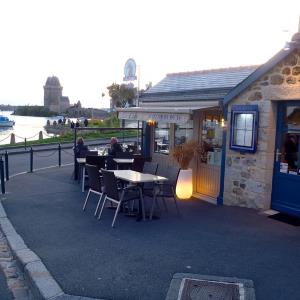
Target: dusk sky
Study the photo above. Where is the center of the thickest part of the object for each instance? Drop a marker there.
(86, 43)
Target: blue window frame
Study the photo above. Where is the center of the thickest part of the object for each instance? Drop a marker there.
(244, 128)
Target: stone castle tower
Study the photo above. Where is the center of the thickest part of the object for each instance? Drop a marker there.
(53, 98)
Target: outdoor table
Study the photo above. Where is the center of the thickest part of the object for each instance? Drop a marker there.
(124, 161)
(137, 178)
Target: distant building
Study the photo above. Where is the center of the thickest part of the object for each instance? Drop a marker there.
(53, 98)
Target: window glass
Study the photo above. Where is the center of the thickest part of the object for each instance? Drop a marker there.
(292, 116)
(161, 138)
(243, 129)
(212, 134)
(183, 132)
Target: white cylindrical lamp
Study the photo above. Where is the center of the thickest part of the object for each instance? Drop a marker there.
(184, 187)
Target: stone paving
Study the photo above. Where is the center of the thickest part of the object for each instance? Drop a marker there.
(14, 276)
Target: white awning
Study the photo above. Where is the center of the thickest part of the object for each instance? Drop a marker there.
(178, 115)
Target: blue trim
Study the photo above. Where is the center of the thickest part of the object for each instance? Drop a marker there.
(220, 198)
(248, 109)
(260, 71)
(146, 141)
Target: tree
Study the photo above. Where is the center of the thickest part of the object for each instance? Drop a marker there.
(121, 95)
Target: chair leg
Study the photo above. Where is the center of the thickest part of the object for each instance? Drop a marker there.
(116, 213)
(165, 203)
(155, 202)
(98, 204)
(142, 204)
(86, 200)
(175, 201)
(102, 208)
(152, 207)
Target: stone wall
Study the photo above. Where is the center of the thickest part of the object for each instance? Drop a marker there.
(248, 177)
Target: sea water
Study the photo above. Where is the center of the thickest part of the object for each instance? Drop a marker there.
(25, 127)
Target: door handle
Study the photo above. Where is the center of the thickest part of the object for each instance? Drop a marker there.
(278, 155)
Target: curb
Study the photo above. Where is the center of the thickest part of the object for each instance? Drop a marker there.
(43, 286)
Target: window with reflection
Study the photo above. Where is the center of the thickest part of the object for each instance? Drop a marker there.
(212, 137)
(244, 126)
(161, 138)
(290, 138)
(183, 132)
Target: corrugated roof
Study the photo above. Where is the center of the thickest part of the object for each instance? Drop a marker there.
(205, 79)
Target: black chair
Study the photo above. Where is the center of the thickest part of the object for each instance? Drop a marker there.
(113, 194)
(150, 167)
(110, 163)
(138, 163)
(94, 184)
(124, 155)
(98, 161)
(164, 189)
(92, 153)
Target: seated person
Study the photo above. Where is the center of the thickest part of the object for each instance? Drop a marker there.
(81, 149)
(114, 147)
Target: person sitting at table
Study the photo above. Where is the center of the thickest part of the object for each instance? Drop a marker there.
(114, 147)
(81, 149)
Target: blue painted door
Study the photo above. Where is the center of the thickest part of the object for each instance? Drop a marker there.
(286, 178)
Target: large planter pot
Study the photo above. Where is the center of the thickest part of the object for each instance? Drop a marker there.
(184, 187)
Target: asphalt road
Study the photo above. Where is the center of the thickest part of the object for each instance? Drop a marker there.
(136, 260)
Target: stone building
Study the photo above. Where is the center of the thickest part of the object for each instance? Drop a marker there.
(247, 121)
(53, 98)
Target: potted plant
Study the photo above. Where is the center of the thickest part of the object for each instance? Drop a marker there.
(183, 155)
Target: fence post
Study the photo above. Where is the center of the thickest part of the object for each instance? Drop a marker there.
(31, 160)
(25, 143)
(6, 165)
(75, 161)
(59, 155)
(2, 176)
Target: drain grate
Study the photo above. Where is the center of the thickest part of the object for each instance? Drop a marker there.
(194, 289)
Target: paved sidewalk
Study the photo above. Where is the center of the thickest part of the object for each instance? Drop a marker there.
(137, 260)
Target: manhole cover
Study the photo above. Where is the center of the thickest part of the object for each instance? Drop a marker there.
(208, 290)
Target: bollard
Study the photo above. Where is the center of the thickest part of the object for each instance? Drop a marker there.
(40, 135)
(6, 165)
(31, 160)
(59, 155)
(12, 139)
(2, 176)
(25, 140)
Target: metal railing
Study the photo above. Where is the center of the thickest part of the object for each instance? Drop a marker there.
(58, 149)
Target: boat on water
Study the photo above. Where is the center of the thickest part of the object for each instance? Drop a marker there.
(6, 122)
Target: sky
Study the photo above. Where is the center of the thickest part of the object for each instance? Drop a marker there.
(85, 43)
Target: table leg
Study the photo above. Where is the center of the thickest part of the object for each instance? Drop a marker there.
(141, 203)
(83, 178)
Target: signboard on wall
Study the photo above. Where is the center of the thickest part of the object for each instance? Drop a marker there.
(178, 118)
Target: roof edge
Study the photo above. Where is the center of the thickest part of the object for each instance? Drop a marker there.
(260, 71)
(212, 70)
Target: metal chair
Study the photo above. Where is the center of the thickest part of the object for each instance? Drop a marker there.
(138, 163)
(165, 189)
(150, 167)
(94, 184)
(124, 155)
(113, 194)
(98, 161)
